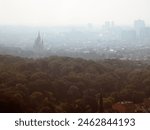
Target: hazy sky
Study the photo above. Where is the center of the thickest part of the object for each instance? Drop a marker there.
(68, 12)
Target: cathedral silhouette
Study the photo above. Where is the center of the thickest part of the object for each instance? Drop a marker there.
(38, 44)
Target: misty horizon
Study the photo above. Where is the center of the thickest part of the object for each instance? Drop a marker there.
(76, 28)
(72, 12)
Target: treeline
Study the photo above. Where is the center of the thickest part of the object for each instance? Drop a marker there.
(63, 84)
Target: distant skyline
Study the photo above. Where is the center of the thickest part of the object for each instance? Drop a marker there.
(73, 12)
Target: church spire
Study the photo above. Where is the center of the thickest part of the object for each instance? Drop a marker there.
(38, 45)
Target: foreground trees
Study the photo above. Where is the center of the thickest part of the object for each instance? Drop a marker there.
(62, 84)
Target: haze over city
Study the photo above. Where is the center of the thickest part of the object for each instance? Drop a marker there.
(72, 12)
(80, 56)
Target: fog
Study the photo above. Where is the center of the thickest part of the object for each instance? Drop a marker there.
(109, 41)
(91, 29)
(72, 12)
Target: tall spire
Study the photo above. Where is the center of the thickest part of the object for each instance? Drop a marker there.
(38, 45)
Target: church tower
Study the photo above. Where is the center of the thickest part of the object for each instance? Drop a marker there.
(38, 44)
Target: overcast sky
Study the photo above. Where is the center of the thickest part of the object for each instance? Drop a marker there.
(71, 12)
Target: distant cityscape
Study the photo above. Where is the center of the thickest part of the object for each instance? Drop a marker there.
(108, 41)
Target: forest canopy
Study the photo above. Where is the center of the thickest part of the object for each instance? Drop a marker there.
(63, 84)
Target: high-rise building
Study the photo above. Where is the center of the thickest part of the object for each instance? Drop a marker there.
(109, 25)
(139, 24)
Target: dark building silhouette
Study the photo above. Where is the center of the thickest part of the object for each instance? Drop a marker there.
(38, 44)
